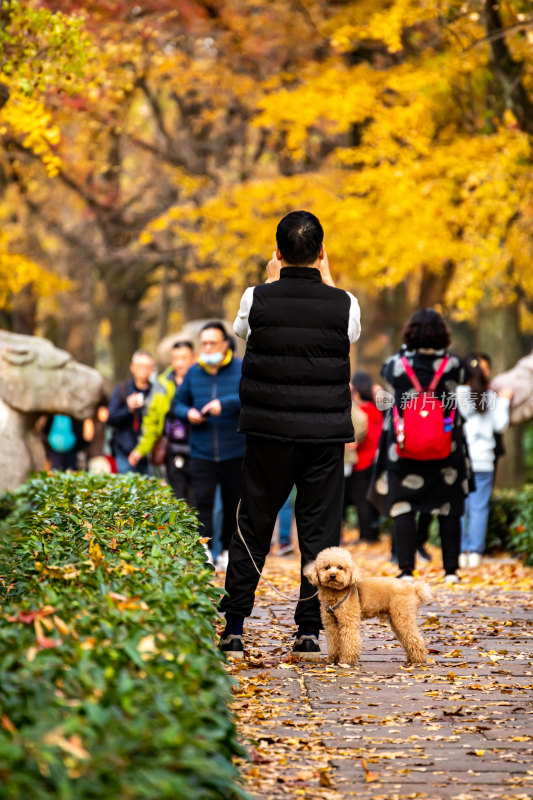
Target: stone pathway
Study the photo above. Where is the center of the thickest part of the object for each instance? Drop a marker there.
(459, 727)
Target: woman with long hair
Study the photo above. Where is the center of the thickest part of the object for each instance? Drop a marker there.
(404, 486)
(486, 415)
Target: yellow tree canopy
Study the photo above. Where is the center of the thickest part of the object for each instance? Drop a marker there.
(402, 140)
(38, 48)
(176, 134)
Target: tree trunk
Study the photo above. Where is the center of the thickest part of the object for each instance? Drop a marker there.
(394, 311)
(75, 328)
(433, 286)
(499, 336)
(4, 94)
(83, 316)
(165, 301)
(125, 336)
(21, 315)
(202, 301)
(508, 71)
(382, 320)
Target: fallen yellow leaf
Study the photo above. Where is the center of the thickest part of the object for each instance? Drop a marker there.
(325, 778)
(370, 777)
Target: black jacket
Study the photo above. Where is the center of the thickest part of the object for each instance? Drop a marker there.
(296, 370)
(126, 424)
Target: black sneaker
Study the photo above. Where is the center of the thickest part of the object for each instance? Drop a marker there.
(232, 646)
(405, 575)
(423, 554)
(306, 647)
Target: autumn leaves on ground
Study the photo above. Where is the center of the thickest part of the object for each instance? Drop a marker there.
(458, 727)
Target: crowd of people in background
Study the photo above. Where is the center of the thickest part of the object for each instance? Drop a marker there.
(181, 425)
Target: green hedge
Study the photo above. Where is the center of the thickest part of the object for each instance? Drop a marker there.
(110, 684)
(511, 522)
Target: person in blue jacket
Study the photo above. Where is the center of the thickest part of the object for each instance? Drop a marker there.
(209, 399)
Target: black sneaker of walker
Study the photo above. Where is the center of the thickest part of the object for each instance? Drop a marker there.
(232, 646)
(307, 648)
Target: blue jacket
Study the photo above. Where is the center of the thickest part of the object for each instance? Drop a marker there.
(216, 439)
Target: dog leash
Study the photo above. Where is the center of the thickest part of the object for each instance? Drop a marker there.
(332, 609)
(290, 599)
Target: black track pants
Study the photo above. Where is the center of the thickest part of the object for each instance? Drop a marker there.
(270, 470)
(405, 536)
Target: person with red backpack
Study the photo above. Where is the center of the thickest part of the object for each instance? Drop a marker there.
(423, 465)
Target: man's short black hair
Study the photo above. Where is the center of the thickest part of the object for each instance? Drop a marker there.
(218, 326)
(183, 343)
(299, 236)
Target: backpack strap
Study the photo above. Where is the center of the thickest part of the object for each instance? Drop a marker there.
(438, 374)
(411, 375)
(434, 381)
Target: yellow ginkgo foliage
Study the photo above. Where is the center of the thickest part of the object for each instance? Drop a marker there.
(404, 143)
(17, 272)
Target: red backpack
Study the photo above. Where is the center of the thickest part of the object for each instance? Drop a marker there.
(423, 433)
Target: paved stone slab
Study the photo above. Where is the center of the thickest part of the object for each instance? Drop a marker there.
(461, 727)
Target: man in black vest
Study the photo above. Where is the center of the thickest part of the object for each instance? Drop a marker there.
(296, 406)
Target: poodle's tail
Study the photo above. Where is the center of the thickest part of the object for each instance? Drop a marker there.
(423, 591)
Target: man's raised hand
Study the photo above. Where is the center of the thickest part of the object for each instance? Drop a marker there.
(273, 268)
(324, 269)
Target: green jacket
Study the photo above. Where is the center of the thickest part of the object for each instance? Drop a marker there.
(159, 405)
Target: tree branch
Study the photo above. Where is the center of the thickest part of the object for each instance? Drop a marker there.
(500, 34)
(507, 71)
(157, 111)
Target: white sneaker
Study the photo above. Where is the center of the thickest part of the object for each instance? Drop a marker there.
(474, 560)
(464, 560)
(222, 561)
(452, 578)
(209, 555)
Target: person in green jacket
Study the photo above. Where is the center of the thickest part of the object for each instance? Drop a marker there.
(160, 419)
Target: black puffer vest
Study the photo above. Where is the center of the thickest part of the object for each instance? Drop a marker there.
(296, 370)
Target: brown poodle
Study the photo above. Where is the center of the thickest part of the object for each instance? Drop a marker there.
(346, 598)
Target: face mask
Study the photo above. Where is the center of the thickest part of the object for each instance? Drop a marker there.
(212, 358)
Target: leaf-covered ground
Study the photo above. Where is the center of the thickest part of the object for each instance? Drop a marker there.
(459, 727)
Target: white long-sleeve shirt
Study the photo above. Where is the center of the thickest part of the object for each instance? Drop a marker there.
(480, 428)
(242, 328)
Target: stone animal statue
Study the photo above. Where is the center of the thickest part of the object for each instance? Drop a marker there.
(520, 379)
(37, 378)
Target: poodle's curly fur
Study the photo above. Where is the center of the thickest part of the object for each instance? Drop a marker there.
(335, 574)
